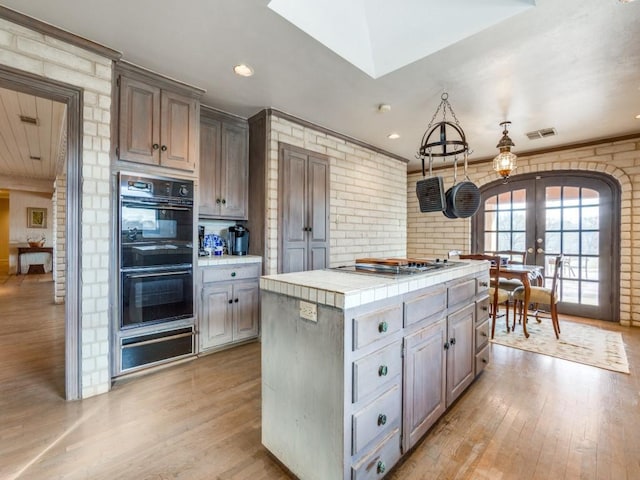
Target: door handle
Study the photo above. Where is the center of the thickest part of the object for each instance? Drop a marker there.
(530, 250)
(540, 250)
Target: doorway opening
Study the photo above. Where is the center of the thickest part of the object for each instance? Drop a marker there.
(31, 87)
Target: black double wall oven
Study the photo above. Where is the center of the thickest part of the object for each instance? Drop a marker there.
(156, 271)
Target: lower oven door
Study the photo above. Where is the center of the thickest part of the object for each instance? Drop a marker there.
(156, 295)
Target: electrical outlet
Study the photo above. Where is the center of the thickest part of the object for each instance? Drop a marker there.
(309, 311)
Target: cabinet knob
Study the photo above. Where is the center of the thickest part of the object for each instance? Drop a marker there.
(382, 371)
(233, 274)
(382, 419)
(484, 284)
(163, 148)
(381, 468)
(452, 341)
(446, 346)
(485, 308)
(484, 360)
(155, 146)
(230, 301)
(484, 334)
(224, 201)
(383, 327)
(236, 300)
(217, 201)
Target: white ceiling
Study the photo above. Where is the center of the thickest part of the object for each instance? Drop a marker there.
(569, 64)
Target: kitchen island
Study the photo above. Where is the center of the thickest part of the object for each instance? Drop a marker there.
(357, 367)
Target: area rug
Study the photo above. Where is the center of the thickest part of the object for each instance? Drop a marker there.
(578, 343)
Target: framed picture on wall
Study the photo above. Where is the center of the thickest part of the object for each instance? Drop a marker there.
(36, 217)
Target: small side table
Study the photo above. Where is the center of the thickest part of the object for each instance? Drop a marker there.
(23, 250)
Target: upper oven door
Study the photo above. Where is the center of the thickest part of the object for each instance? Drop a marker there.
(155, 233)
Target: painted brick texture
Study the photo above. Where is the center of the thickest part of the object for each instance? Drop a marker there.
(24, 49)
(431, 234)
(367, 196)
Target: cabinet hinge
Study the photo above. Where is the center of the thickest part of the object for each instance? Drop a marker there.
(118, 81)
(118, 152)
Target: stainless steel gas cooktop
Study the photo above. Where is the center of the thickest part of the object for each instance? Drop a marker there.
(394, 269)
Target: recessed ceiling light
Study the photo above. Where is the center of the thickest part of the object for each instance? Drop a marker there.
(384, 108)
(243, 70)
(638, 116)
(393, 136)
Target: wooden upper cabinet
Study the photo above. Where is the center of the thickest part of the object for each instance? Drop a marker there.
(224, 166)
(157, 125)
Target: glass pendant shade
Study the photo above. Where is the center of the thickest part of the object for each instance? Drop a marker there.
(505, 163)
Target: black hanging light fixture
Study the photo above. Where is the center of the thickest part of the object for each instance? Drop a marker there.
(506, 161)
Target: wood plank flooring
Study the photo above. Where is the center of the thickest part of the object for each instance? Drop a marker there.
(526, 417)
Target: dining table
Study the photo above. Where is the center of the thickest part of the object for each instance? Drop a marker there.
(526, 274)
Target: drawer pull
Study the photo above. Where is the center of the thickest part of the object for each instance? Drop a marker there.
(382, 371)
(233, 274)
(484, 334)
(382, 419)
(484, 284)
(383, 327)
(484, 360)
(381, 467)
(485, 308)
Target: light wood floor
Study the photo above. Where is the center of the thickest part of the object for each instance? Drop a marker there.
(526, 417)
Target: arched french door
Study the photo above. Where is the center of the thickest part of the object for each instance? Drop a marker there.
(569, 212)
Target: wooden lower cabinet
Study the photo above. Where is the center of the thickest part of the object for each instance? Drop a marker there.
(229, 309)
(460, 351)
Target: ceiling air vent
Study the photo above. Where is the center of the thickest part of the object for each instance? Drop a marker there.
(33, 157)
(542, 133)
(29, 120)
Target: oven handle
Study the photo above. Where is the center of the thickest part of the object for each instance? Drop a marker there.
(163, 206)
(157, 340)
(160, 274)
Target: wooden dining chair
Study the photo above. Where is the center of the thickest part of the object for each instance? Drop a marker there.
(544, 296)
(497, 296)
(514, 257)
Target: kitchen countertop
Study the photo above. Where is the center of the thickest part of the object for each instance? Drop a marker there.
(227, 260)
(346, 290)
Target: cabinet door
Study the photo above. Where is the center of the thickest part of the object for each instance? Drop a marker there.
(178, 131)
(293, 206)
(139, 122)
(246, 304)
(216, 322)
(209, 167)
(424, 381)
(234, 173)
(318, 212)
(460, 355)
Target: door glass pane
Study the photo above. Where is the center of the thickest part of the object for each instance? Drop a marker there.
(590, 217)
(553, 218)
(519, 199)
(504, 241)
(504, 221)
(589, 293)
(519, 220)
(553, 243)
(590, 243)
(570, 291)
(570, 196)
(570, 218)
(553, 196)
(571, 243)
(519, 241)
(590, 197)
(504, 201)
(589, 266)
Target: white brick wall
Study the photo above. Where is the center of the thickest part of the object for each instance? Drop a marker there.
(367, 196)
(431, 234)
(42, 55)
(59, 241)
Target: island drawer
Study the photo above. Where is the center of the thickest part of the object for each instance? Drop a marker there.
(376, 370)
(482, 335)
(380, 460)
(482, 359)
(483, 308)
(483, 283)
(429, 304)
(461, 291)
(230, 272)
(376, 418)
(375, 325)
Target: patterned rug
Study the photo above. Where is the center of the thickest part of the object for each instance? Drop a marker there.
(578, 343)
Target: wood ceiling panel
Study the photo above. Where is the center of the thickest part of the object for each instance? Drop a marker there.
(22, 143)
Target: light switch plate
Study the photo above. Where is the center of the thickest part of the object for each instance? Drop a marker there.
(309, 311)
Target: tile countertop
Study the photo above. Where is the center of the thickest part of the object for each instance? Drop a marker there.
(227, 260)
(347, 290)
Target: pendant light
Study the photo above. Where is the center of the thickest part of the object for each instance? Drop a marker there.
(505, 162)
